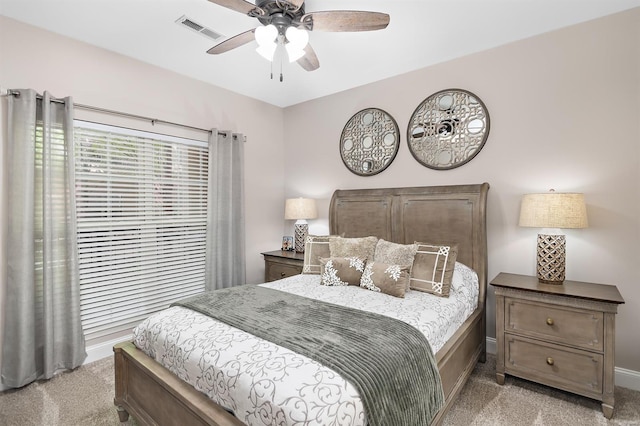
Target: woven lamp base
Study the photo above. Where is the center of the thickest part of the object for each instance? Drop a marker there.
(301, 230)
(551, 258)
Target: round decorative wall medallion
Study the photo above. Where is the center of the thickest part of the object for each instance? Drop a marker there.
(448, 129)
(369, 142)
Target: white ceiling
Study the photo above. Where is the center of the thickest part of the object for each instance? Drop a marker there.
(421, 33)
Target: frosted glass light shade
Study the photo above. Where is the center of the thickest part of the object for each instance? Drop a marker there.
(294, 53)
(266, 35)
(267, 51)
(266, 38)
(297, 40)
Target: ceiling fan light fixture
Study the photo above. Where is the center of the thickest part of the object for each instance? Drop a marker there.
(267, 51)
(266, 35)
(282, 15)
(297, 40)
(297, 37)
(294, 53)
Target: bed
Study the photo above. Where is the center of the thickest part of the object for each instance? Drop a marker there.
(438, 214)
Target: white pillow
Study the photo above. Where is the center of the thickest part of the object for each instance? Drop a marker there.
(464, 278)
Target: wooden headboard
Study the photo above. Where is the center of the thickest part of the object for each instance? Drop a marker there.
(431, 214)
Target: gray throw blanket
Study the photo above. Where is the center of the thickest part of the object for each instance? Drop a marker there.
(389, 362)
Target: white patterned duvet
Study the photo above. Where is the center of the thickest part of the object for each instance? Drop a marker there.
(266, 384)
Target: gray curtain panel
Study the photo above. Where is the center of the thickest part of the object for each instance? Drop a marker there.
(42, 327)
(225, 262)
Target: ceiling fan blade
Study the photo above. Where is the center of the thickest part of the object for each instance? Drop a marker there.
(241, 6)
(233, 42)
(345, 20)
(296, 3)
(309, 61)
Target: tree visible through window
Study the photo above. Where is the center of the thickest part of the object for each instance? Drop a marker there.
(142, 209)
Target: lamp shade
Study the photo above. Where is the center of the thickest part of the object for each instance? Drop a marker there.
(553, 210)
(300, 208)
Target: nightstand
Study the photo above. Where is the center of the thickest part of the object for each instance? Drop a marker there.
(557, 335)
(281, 264)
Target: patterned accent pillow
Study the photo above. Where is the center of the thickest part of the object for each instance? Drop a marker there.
(395, 254)
(315, 247)
(364, 248)
(432, 269)
(341, 270)
(385, 278)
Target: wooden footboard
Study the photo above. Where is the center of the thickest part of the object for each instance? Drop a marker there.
(155, 396)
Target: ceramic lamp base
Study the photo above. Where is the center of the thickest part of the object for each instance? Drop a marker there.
(301, 230)
(551, 258)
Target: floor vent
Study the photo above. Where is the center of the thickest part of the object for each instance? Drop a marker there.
(200, 29)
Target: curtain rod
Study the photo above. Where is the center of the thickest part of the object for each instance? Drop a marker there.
(123, 114)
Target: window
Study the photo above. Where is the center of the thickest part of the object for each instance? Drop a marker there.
(142, 210)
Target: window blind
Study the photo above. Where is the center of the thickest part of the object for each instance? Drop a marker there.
(141, 201)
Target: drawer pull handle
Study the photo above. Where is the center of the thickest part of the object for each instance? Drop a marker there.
(282, 274)
(549, 321)
(550, 361)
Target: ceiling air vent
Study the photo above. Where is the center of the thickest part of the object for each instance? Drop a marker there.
(194, 26)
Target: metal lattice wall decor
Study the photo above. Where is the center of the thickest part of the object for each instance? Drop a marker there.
(369, 142)
(448, 129)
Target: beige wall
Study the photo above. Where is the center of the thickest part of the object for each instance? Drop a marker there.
(565, 113)
(32, 58)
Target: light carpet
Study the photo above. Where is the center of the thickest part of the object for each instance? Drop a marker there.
(85, 397)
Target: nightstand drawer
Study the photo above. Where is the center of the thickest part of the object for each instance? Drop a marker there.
(565, 368)
(568, 326)
(278, 271)
(282, 264)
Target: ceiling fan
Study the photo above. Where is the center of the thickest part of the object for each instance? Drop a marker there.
(281, 21)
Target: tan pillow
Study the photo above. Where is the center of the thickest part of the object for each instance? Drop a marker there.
(385, 278)
(341, 270)
(315, 247)
(395, 254)
(432, 269)
(362, 248)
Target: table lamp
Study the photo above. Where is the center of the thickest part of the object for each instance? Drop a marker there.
(552, 210)
(300, 209)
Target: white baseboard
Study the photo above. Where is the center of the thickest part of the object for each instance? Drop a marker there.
(629, 379)
(104, 349)
(491, 345)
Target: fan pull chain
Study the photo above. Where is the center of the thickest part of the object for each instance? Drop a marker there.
(281, 69)
(271, 63)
